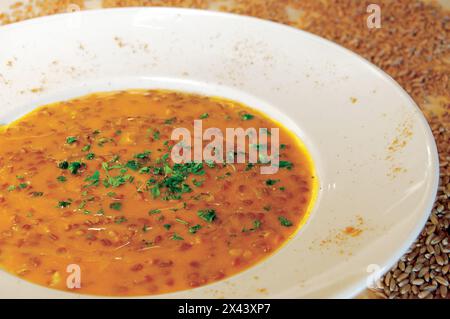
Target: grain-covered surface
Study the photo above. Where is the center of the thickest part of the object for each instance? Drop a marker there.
(413, 46)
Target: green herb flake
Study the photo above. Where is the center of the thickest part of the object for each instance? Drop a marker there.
(167, 226)
(94, 179)
(155, 191)
(194, 229)
(249, 166)
(284, 221)
(154, 211)
(285, 164)
(102, 141)
(116, 206)
(143, 155)
(208, 215)
(115, 181)
(64, 204)
(63, 165)
(61, 179)
(144, 170)
(90, 156)
(198, 183)
(271, 182)
(175, 236)
(71, 140)
(74, 167)
(247, 117)
(170, 121)
(133, 165)
(204, 116)
(181, 221)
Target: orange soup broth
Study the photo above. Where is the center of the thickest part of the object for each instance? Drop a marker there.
(105, 214)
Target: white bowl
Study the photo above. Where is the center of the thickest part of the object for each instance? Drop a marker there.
(374, 152)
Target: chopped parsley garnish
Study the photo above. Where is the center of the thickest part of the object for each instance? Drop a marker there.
(133, 165)
(256, 225)
(102, 141)
(61, 179)
(64, 204)
(284, 221)
(249, 166)
(63, 165)
(195, 229)
(271, 182)
(115, 206)
(155, 191)
(90, 156)
(144, 170)
(71, 140)
(204, 116)
(208, 215)
(167, 226)
(86, 148)
(154, 211)
(285, 164)
(181, 221)
(247, 116)
(74, 167)
(23, 185)
(94, 179)
(143, 155)
(145, 228)
(116, 181)
(210, 164)
(175, 236)
(11, 188)
(170, 121)
(198, 183)
(156, 135)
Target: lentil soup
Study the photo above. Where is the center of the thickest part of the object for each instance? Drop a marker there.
(89, 182)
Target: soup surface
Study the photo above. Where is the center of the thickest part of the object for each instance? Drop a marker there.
(89, 195)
